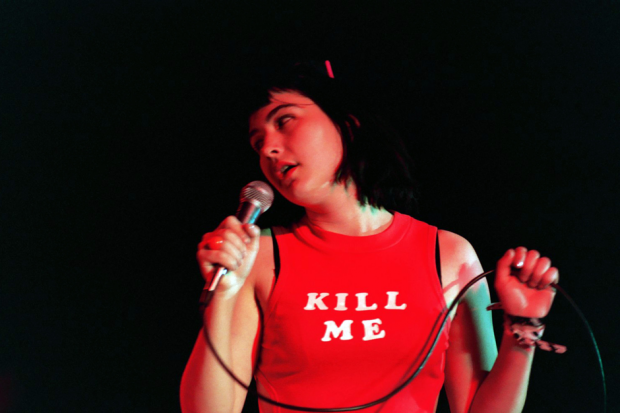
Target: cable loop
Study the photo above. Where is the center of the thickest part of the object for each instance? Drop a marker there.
(441, 320)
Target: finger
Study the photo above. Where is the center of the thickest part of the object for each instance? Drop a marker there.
(253, 232)
(232, 223)
(531, 259)
(231, 244)
(552, 275)
(229, 221)
(206, 267)
(220, 237)
(232, 240)
(519, 258)
(214, 243)
(541, 267)
(210, 240)
(210, 258)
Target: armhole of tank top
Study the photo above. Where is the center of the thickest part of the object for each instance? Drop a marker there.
(437, 259)
(276, 256)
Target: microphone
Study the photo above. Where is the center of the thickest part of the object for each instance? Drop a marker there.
(256, 198)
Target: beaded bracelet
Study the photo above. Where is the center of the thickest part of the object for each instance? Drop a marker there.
(528, 331)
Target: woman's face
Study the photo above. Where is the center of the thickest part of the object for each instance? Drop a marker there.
(299, 146)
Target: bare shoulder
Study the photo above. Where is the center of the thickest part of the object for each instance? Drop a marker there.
(455, 249)
(459, 263)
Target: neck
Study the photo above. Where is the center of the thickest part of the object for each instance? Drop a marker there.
(348, 217)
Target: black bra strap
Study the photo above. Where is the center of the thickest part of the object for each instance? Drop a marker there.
(276, 255)
(438, 260)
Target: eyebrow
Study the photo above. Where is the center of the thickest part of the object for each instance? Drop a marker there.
(270, 115)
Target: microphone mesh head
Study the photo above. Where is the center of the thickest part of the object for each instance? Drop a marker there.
(257, 192)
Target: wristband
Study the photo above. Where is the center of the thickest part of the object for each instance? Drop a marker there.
(528, 331)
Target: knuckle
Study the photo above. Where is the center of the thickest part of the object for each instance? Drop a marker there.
(521, 250)
(200, 255)
(207, 267)
(542, 266)
(555, 273)
(205, 238)
(231, 221)
(222, 232)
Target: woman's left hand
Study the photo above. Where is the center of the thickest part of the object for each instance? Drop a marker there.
(523, 281)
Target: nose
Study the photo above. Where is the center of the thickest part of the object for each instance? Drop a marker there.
(272, 145)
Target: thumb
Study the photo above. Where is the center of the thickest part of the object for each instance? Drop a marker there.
(253, 231)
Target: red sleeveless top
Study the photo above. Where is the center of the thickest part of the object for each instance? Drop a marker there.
(348, 318)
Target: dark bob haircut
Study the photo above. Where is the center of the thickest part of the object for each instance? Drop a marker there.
(374, 156)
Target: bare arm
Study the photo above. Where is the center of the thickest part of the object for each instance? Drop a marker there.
(476, 382)
(232, 325)
(231, 321)
(472, 350)
(522, 282)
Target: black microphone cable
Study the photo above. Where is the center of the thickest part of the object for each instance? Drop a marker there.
(441, 321)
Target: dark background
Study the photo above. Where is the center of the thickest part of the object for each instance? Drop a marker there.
(120, 146)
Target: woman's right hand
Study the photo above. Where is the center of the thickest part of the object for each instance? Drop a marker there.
(232, 245)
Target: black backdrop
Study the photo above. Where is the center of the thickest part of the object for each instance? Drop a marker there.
(120, 145)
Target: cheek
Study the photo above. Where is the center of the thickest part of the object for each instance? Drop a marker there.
(264, 167)
(333, 148)
(326, 136)
(334, 157)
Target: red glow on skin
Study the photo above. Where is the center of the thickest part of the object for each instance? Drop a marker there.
(293, 131)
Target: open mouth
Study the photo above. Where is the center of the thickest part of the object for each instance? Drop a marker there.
(286, 168)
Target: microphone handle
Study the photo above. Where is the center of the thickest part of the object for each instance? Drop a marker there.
(219, 273)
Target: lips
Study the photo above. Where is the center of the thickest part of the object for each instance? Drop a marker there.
(283, 169)
(286, 168)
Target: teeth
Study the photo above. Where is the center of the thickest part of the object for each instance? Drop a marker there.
(286, 168)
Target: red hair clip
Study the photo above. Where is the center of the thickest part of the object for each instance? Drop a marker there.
(328, 66)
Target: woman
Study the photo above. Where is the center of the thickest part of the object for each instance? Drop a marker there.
(348, 294)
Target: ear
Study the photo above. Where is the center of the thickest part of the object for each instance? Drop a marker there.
(353, 121)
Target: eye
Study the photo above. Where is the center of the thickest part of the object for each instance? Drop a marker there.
(257, 144)
(282, 120)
